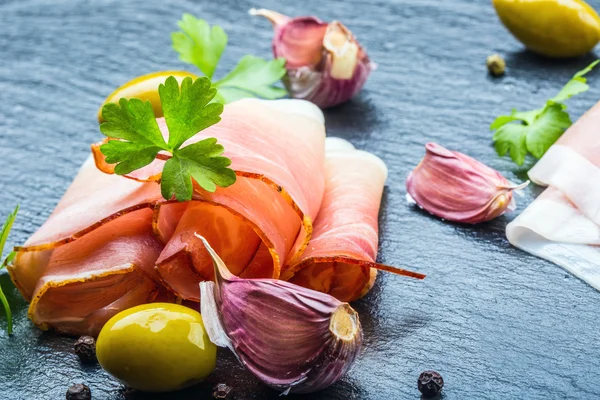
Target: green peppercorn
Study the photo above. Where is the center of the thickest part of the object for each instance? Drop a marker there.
(496, 65)
(79, 391)
(430, 383)
(85, 348)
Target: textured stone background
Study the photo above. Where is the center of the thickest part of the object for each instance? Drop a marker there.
(496, 322)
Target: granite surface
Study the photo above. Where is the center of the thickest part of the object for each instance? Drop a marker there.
(495, 322)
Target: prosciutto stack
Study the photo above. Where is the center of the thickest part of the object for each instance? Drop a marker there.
(304, 208)
(563, 224)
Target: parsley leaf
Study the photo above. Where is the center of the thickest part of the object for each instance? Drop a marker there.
(578, 84)
(253, 77)
(137, 139)
(535, 131)
(546, 129)
(175, 181)
(187, 112)
(133, 122)
(200, 161)
(3, 237)
(201, 45)
(511, 139)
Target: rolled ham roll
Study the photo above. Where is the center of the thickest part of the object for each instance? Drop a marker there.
(93, 257)
(112, 243)
(340, 258)
(262, 221)
(563, 224)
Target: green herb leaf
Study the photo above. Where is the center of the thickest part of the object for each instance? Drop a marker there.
(7, 227)
(200, 161)
(536, 131)
(3, 237)
(546, 129)
(7, 312)
(129, 156)
(253, 77)
(578, 84)
(138, 139)
(132, 121)
(199, 44)
(11, 256)
(511, 139)
(206, 165)
(188, 111)
(175, 181)
(202, 46)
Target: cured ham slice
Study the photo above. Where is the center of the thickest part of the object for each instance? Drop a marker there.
(93, 200)
(280, 143)
(88, 281)
(340, 258)
(93, 257)
(277, 149)
(563, 224)
(113, 243)
(238, 220)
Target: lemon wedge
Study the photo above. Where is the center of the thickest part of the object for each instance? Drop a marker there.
(144, 87)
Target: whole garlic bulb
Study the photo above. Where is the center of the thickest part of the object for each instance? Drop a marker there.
(326, 65)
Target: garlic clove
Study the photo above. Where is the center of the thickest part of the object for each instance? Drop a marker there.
(300, 42)
(458, 188)
(343, 49)
(325, 62)
(291, 338)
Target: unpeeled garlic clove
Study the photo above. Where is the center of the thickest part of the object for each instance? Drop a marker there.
(291, 338)
(458, 188)
(326, 64)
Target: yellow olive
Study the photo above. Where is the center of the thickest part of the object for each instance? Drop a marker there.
(156, 347)
(554, 28)
(144, 87)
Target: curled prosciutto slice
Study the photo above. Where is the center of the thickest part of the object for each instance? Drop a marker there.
(563, 224)
(93, 257)
(88, 281)
(247, 222)
(277, 151)
(93, 200)
(340, 258)
(89, 248)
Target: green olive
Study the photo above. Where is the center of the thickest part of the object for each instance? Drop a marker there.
(554, 28)
(156, 347)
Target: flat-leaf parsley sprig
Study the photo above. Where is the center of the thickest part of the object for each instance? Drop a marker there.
(138, 139)
(3, 237)
(202, 45)
(535, 131)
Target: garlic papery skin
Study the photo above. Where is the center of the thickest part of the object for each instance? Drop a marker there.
(293, 339)
(326, 64)
(458, 188)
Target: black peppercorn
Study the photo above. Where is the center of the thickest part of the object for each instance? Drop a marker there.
(222, 391)
(430, 383)
(79, 391)
(85, 348)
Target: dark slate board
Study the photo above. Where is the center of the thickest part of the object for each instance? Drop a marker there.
(496, 322)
